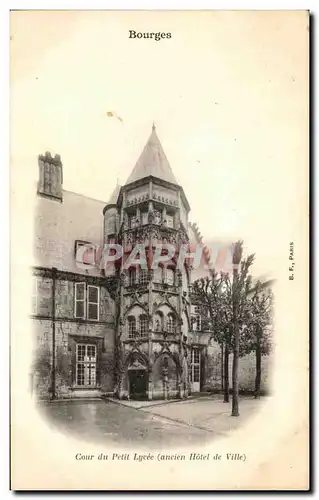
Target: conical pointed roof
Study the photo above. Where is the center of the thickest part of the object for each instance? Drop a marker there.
(152, 162)
(114, 196)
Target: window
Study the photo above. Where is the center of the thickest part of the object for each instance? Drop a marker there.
(131, 327)
(111, 225)
(86, 302)
(170, 221)
(132, 277)
(34, 305)
(93, 303)
(86, 365)
(80, 298)
(143, 326)
(143, 276)
(157, 276)
(198, 322)
(133, 221)
(170, 276)
(195, 366)
(158, 322)
(157, 217)
(196, 318)
(144, 218)
(171, 323)
(84, 252)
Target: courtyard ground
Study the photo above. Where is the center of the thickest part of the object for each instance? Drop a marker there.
(160, 423)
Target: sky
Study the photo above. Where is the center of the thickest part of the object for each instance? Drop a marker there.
(228, 93)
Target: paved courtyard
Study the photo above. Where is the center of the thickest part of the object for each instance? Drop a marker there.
(176, 423)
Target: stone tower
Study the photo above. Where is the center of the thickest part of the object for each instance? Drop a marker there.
(153, 304)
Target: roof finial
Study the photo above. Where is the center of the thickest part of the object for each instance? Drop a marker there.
(153, 126)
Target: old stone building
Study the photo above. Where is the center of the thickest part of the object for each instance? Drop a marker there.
(108, 330)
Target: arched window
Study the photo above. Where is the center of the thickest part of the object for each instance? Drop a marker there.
(171, 324)
(170, 276)
(131, 327)
(158, 322)
(143, 325)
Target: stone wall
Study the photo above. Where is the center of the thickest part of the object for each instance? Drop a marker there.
(212, 371)
(158, 380)
(67, 334)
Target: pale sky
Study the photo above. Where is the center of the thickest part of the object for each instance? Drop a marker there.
(228, 94)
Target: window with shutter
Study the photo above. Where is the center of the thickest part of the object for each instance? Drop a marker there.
(80, 298)
(93, 303)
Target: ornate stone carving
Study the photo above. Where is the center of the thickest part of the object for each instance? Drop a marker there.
(125, 221)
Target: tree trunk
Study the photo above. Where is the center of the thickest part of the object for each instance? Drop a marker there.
(226, 374)
(258, 368)
(235, 399)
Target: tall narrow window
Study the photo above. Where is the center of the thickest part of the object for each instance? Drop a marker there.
(158, 322)
(111, 225)
(198, 322)
(143, 326)
(157, 217)
(158, 273)
(171, 323)
(93, 302)
(170, 221)
(170, 276)
(86, 365)
(132, 277)
(131, 327)
(195, 366)
(80, 300)
(144, 216)
(196, 318)
(133, 221)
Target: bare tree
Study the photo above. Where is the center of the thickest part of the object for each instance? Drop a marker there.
(260, 327)
(224, 299)
(241, 286)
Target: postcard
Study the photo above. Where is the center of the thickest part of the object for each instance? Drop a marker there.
(159, 250)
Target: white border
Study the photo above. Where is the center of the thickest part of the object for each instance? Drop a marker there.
(5, 6)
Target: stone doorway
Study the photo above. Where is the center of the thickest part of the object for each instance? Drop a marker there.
(138, 381)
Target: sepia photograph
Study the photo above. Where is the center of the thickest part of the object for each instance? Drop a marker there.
(159, 301)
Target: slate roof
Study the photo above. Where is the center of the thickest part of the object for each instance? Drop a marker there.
(153, 162)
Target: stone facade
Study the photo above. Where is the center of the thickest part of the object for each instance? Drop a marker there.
(118, 330)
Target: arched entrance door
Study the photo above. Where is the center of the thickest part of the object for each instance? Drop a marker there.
(138, 380)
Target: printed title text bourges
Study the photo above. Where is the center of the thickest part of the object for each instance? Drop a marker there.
(155, 36)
